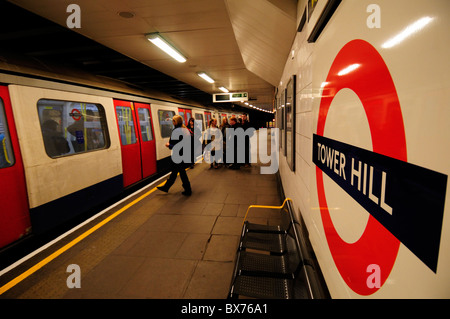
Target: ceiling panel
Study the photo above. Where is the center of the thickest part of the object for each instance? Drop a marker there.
(241, 44)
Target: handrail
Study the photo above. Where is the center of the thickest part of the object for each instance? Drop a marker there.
(263, 206)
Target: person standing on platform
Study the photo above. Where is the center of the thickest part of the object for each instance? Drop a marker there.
(213, 150)
(191, 128)
(234, 161)
(223, 129)
(178, 167)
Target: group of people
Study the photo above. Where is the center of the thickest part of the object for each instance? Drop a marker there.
(220, 146)
(211, 145)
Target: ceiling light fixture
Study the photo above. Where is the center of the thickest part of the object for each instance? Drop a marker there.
(224, 89)
(157, 40)
(206, 77)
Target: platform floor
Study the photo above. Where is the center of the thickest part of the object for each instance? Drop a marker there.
(163, 246)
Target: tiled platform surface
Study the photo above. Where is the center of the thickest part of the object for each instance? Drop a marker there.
(165, 246)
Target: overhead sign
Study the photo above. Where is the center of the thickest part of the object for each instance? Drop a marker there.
(230, 97)
(405, 201)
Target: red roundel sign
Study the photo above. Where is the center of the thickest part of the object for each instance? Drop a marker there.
(360, 68)
(75, 114)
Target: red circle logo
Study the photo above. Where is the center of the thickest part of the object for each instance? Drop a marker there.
(75, 114)
(360, 68)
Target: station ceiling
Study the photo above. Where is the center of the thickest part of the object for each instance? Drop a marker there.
(242, 44)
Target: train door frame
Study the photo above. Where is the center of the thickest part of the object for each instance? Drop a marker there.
(130, 149)
(14, 208)
(185, 113)
(148, 145)
(208, 117)
(202, 115)
(138, 157)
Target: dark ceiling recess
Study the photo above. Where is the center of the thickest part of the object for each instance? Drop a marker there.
(27, 34)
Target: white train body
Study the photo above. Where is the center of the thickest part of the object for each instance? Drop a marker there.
(375, 79)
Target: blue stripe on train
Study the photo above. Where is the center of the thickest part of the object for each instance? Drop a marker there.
(61, 210)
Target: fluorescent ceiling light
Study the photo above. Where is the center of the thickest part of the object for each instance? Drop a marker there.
(407, 32)
(349, 69)
(157, 40)
(223, 89)
(206, 77)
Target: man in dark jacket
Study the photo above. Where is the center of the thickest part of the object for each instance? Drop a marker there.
(234, 162)
(181, 166)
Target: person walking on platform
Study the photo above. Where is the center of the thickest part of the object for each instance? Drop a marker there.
(178, 167)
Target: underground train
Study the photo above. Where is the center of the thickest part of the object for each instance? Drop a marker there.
(67, 147)
(363, 111)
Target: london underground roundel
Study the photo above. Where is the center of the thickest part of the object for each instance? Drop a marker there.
(359, 67)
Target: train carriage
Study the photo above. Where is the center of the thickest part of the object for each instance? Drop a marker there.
(68, 147)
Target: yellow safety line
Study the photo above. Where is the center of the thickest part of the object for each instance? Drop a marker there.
(48, 259)
(262, 206)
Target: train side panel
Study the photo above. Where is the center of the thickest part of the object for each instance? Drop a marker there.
(61, 186)
(371, 157)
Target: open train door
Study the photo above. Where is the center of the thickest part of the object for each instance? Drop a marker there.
(14, 211)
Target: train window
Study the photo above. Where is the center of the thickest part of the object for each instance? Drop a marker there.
(146, 124)
(165, 122)
(127, 129)
(6, 153)
(199, 117)
(290, 122)
(208, 117)
(72, 127)
(324, 17)
(181, 113)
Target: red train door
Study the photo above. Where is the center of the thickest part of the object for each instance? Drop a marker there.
(131, 150)
(136, 136)
(186, 114)
(147, 140)
(14, 211)
(207, 118)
